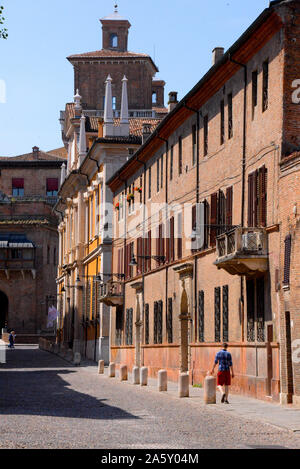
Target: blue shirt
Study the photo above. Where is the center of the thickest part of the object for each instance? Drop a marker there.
(224, 359)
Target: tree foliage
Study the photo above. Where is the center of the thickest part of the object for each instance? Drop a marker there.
(3, 31)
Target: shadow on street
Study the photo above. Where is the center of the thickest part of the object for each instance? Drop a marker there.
(45, 392)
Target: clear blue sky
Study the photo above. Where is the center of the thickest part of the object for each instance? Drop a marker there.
(42, 33)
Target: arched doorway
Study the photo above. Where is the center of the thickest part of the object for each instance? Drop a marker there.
(3, 310)
(184, 332)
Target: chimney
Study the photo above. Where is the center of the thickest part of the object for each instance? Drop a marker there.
(35, 152)
(100, 127)
(218, 53)
(173, 101)
(146, 132)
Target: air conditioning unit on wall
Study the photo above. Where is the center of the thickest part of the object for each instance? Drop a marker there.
(252, 242)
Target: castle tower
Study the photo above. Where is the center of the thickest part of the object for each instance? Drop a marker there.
(92, 68)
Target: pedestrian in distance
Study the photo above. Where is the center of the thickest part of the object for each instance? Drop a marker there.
(224, 359)
(11, 339)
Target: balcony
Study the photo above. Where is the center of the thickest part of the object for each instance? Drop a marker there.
(111, 293)
(243, 251)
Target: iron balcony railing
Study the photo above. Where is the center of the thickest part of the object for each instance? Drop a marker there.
(17, 264)
(244, 241)
(112, 292)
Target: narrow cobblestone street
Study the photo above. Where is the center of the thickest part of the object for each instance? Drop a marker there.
(47, 403)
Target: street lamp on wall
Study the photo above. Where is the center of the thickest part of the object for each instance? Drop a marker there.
(134, 263)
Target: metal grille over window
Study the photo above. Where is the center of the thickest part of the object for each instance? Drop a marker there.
(147, 324)
(170, 321)
(201, 316)
(260, 292)
(250, 310)
(94, 298)
(84, 302)
(217, 314)
(88, 300)
(225, 313)
(128, 326)
(160, 321)
(265, 85)
(230, 117)
(119, 326)
(287, 259)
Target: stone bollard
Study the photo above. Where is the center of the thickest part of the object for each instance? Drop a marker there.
(135, 375)
(210, 389)
(69, 355)
(123, 373)
(56, 349)
(77, 359)
(144, 376)
(112, 370)
(101, 367)
(183, 385)
(162, 380)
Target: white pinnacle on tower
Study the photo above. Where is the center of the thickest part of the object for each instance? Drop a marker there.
(63, 174)
(82, 140)
(77, 101)
(108, 128)
(124, 122)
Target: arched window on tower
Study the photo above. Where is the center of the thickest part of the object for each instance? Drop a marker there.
(113, 40)
(154, 97)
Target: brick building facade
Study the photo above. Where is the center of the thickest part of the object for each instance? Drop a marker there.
(209, 242)
(28, 239)
(100, 130)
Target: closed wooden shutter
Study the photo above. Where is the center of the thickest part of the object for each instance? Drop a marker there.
(213, 218)
(172, 245)
(149, 251)
(179, 236)
(167, 238)
(139, 255)
(145, 253)
(263, 196)
(229, 193)
(221, 220)
(158, 233)
(250, 200)
(194, 227)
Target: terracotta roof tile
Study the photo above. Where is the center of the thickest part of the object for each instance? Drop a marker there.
(135, 125)
(108, 53)
(37, 156)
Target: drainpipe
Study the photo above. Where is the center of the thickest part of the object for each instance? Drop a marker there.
(143, 254)
(83, 174)
(197, 201)
(124, 247)
(166, 200)
(242, 300)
